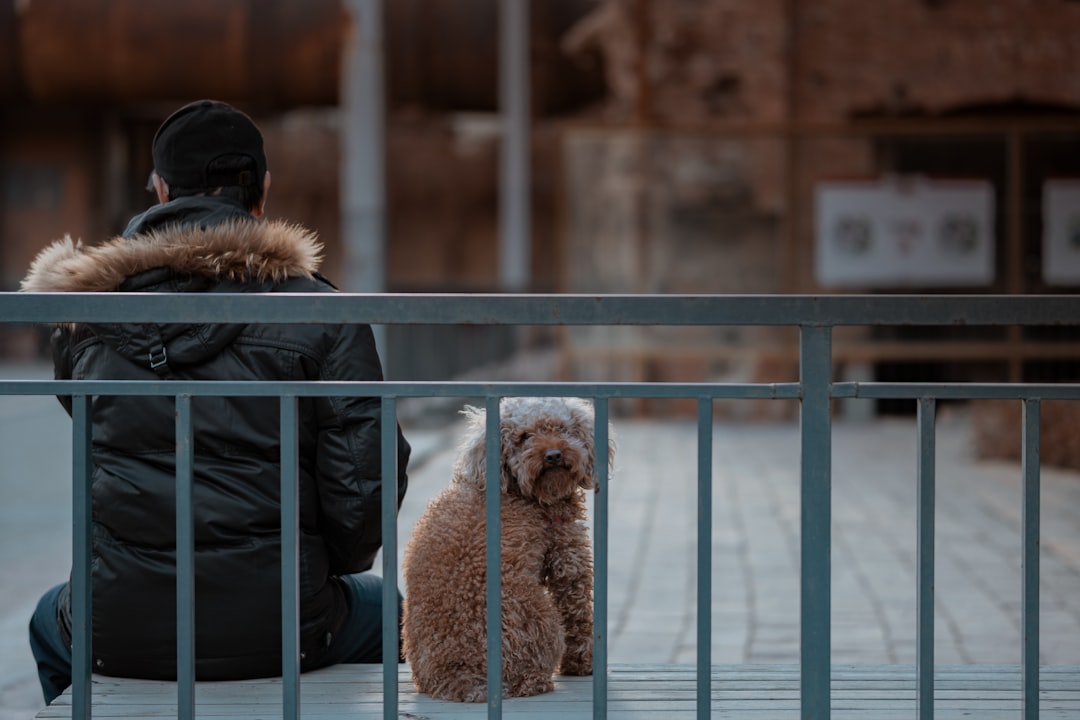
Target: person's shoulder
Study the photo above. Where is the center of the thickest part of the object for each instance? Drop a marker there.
(313, 283)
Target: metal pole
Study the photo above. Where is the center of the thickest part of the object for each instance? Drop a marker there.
(185, 559)
(363, 184)
(82, 538)
(290, 557)
(514, 218)
(601, 440)
(391, 649)
(924, 548)
(816, 526)
(493, 537)
(704, 558)
(1029, 633)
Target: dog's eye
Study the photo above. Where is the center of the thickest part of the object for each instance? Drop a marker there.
(524, 437)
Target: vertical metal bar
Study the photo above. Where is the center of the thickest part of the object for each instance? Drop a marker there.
(815, 367)
(290, 559)
(924, 662)
(1030, 609)
(363, 177)
(492, 485)
(514, 252)
(600, 544)
(363, 197)
(81, 630)
(389, 558)
(185, 560)
(704, 559)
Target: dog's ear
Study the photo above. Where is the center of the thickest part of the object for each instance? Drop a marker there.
(471, 464)
(584, 421)
(506, 447)
(611, 452)
(583, 418)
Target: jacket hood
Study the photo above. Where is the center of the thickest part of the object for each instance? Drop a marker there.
(234, 256)
(236, 250)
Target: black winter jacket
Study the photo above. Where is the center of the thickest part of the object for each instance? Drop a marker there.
(210, 245)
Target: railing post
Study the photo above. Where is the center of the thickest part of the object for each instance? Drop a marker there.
(290, 559)
(815, 369)
(81, 596)
(600, 544)
(924, 551)
(185, 560)
(493, 528)
(1030, 604)
(389, 452)
(704, 559)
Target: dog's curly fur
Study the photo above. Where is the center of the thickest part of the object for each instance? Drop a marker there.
(547, 464)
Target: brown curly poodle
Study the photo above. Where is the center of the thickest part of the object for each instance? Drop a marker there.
(547, 620)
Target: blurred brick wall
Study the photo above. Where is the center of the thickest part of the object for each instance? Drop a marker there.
(893, 56)
(712, 59)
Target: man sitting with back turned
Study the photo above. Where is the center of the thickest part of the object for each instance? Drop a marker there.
(207, 235)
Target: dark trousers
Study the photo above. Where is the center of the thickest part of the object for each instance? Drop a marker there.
(358, 641)
(53, 655)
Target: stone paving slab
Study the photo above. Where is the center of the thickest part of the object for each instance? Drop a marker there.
(634, 692)
(652, 615)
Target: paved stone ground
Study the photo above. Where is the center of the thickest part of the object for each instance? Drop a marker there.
(755, 538)
(35, 531)
(653, 538)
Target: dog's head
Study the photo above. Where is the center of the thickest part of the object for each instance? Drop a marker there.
(547, 445)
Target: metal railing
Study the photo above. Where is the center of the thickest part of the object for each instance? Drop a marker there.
(814, 316)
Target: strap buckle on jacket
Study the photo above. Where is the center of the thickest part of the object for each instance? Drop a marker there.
(159, 361)
(158, 358)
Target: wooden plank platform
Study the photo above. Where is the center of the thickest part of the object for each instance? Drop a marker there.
(764, 692)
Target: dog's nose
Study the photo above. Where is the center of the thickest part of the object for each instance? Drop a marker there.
(553, 457)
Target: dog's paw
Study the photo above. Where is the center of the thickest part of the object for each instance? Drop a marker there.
(475, 694)
(576, 665)
(466, 688)
(528, 687)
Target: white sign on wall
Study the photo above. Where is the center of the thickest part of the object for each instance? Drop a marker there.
(1061, 232)
(909, 232)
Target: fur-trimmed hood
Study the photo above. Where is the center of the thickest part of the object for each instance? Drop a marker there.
(237, 250)
(217, 248)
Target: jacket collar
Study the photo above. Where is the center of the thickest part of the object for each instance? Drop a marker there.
(237, 249)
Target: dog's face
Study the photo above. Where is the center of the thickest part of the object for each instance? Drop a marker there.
(550, 457)
(547, 447)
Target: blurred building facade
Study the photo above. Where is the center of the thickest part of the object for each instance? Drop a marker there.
(677, 146)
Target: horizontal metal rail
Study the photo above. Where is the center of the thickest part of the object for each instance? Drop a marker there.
(262, 388)
(609, 390)
(815, 316)
(448, 309)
